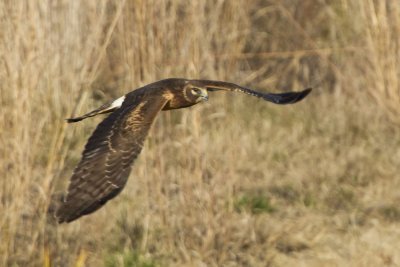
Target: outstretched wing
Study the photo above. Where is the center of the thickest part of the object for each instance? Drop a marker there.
(108, 156)
(284, 98)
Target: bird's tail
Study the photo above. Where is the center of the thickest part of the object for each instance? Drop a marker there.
(106, 108)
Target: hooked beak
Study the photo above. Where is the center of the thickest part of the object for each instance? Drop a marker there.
(203, 96)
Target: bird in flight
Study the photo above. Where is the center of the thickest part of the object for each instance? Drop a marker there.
(117, 141)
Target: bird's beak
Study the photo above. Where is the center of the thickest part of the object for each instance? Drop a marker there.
(204, 95)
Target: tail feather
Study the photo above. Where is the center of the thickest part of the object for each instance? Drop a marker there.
(71, 120)
(90, 114)
(106, 108)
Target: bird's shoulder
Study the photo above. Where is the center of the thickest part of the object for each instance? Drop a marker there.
(163, 88)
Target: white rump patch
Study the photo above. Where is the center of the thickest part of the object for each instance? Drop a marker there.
(117, 103)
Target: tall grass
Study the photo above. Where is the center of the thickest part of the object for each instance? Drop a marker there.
(234, 182)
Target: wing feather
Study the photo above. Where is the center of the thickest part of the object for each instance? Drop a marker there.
(108, 157)
(281, 99)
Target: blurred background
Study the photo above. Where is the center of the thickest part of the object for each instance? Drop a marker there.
(232, 182)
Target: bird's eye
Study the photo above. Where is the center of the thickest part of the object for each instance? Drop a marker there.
(196, 91)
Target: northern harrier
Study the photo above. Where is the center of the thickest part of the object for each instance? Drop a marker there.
(117, 141)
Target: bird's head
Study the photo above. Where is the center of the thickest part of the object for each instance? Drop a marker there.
(195, 94)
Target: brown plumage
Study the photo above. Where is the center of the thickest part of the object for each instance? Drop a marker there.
(117, 141)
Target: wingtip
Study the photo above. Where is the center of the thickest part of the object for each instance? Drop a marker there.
(62, 216)
(61, 220)
(53, 210)
(303, 94)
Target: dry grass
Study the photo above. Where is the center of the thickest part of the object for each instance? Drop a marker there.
(234, 182)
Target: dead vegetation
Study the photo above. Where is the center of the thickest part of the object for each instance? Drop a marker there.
(234, 182)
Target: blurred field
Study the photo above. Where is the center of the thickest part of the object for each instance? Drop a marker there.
(233, 182)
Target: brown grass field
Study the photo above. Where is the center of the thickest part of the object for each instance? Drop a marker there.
(231, 182)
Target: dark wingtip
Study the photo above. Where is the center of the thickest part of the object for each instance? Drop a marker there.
(297, 96)
(307, 90)
(303, 94)
(57, 199)
(61, 214)
(61, 220)
(287, 98)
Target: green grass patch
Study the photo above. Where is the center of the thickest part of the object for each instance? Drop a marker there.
(309, 200)
(255, 204)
